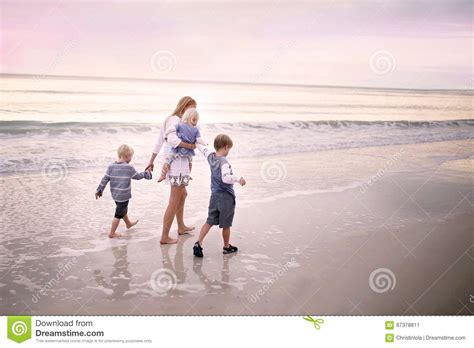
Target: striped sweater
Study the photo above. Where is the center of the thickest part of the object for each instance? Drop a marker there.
(120, 174)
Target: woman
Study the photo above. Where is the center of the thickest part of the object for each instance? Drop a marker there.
(178, 174)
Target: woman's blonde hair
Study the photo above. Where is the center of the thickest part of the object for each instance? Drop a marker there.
(190, 113)
(124, 151)
(183, 104)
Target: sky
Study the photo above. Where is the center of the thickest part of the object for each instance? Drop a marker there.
(373, 43)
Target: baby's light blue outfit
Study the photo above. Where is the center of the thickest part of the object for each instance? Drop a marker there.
(188, 134)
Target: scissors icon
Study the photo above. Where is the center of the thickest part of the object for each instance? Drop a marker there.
(316, 322)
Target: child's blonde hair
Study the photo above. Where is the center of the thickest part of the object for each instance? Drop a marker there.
(221, 141)
(124, 151)
(190, 113)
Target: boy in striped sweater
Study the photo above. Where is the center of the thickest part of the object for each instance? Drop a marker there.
(120, 174)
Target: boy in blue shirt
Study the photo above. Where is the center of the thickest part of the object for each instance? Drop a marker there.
(222, 202)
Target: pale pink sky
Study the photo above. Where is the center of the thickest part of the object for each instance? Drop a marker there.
(408, 44)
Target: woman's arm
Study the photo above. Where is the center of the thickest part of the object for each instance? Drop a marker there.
(150, 165)
(156, 151)
(175, 141)
(172, 129)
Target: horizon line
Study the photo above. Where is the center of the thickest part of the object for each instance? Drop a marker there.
(92, 77)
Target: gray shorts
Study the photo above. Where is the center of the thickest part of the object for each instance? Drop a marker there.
(221, 209)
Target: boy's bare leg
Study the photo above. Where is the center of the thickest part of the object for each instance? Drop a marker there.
(226, 236)
(164, 171)
(113, 228)
(204, 231)
(129, 223)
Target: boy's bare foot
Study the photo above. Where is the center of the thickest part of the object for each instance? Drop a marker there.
(169, 240)
(132, 224)
(114, 235)
(185, 230)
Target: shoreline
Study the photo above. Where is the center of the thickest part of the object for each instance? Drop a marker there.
(458, 142)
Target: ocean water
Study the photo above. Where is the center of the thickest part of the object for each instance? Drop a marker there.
(78, 123)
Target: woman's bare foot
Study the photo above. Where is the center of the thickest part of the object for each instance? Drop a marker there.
(185, 230)
(132, 224)
(168, 240)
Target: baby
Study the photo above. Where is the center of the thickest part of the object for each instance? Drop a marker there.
(188, 132)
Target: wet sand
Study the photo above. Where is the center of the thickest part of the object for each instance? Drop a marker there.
(400, 243)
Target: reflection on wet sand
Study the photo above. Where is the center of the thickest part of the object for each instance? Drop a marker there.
(120, 277)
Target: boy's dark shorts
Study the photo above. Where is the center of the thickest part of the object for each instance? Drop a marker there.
(121, 209)
(221, 209)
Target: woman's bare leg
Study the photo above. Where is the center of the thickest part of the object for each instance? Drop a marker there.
(182, 228)
(173, 206)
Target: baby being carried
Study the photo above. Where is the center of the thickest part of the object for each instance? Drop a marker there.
(188, 132)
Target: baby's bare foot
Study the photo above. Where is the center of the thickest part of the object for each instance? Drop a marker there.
(162, 177)
(168, 241)
(132, 224)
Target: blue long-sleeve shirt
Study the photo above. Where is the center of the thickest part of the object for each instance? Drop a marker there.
(119, 174)
(222, 176)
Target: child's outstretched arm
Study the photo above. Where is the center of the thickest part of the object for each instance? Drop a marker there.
(204, 150)
(147, 175)
(229, 178)
(103, 184)
(199, 139)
